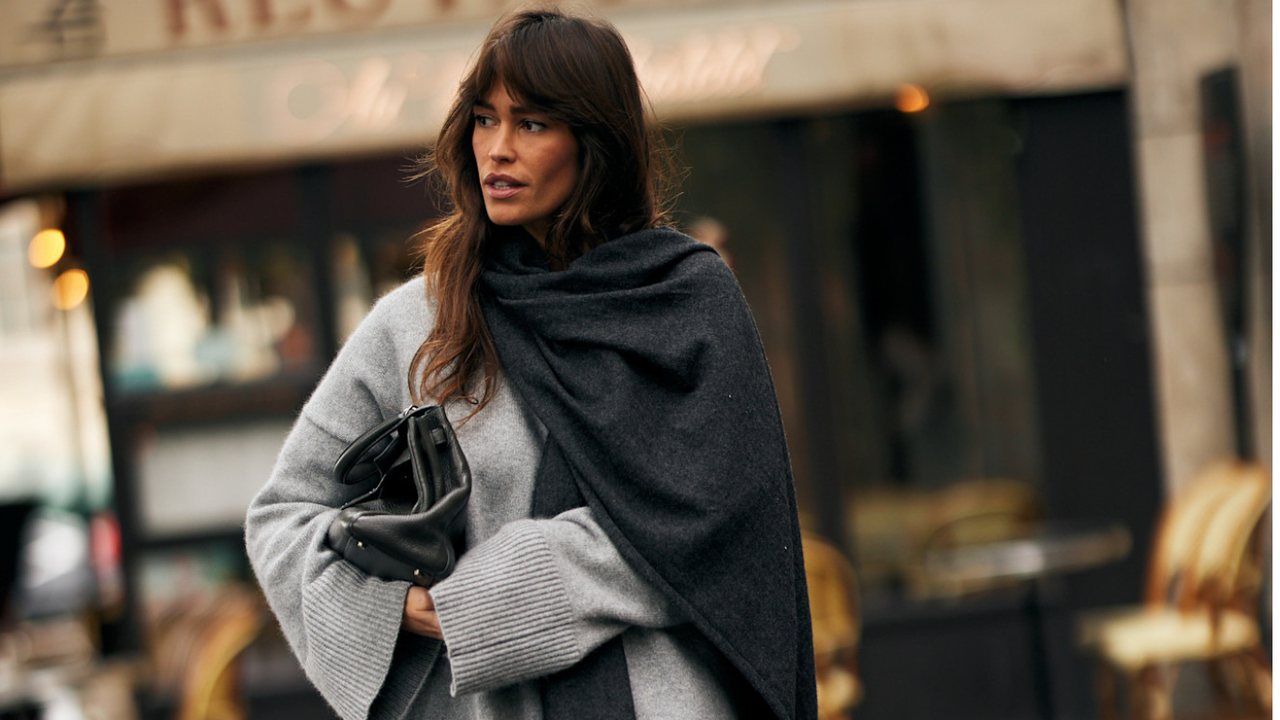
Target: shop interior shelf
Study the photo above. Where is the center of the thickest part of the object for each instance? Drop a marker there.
(277, 396)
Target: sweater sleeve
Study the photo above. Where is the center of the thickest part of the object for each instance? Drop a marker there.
(342, 625)
(536, 598)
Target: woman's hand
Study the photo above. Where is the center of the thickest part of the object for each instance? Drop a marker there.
(420, 614)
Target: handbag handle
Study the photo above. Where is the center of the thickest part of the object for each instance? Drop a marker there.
(373, 454)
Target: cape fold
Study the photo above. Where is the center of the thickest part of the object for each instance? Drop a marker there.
(644, 363)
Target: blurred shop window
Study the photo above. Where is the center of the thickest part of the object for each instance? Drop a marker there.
(881, 255)
(377, 217)
(200, 480)
(208, 284)
(221, 300)
(238, 317)
(54, 443)
(61, 567)
(352, 286)
(367, 265)
(212, 308)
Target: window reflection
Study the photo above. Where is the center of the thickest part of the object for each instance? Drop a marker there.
(366, 266)
(59, 538)
(188, 320)
(881, 256)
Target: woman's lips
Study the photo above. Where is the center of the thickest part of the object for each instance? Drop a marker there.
(501, 187)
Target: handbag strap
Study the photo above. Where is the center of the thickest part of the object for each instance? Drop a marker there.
(380, 448)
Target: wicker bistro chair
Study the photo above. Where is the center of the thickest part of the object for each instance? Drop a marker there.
(197, 650)
(211, 688)
(1201, 602)
(837, 627)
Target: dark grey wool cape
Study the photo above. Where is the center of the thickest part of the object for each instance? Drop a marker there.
(645, 365)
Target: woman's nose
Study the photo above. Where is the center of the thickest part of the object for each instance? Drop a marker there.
(502, 148)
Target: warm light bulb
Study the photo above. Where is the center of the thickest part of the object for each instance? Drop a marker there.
(70, 289)
(912, 98)
(46, 248)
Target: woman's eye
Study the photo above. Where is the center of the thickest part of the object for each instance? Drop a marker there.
(534, 126)
(483, 120)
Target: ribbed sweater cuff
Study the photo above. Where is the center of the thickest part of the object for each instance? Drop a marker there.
(415, 655)
(505, 612)
(352, 623)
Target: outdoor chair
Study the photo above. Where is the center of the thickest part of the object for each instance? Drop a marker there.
(1200, 605)
(197, 652)
(837, 627)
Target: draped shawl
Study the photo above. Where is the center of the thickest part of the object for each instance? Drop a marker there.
(644, 363)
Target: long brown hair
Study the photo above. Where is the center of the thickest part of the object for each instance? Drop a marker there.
(577, 70)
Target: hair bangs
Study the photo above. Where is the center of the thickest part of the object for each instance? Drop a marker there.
(529, 65)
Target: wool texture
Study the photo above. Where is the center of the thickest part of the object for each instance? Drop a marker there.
(643, 362)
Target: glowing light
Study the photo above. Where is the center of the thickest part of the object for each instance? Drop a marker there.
(70, 289)
(912, 98)
(46, 248)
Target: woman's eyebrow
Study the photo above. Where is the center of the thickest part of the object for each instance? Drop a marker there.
(483, 104)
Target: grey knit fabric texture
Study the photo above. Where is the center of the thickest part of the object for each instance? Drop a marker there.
(529, 597)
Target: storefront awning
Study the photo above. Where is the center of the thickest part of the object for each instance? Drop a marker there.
(146, 113)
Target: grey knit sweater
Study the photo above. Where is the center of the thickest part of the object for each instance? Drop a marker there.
(528, 598)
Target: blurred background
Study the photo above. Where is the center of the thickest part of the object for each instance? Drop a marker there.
(1011, 263)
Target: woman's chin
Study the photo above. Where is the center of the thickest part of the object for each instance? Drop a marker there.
(504, 219)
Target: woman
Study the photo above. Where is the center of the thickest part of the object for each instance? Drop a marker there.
(632, 543)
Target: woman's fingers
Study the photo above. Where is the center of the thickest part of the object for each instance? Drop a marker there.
(420, 614)
(419, 599)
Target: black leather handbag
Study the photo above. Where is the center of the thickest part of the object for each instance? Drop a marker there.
(410, 525)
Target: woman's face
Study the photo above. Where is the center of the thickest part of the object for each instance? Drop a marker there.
(528, 162)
